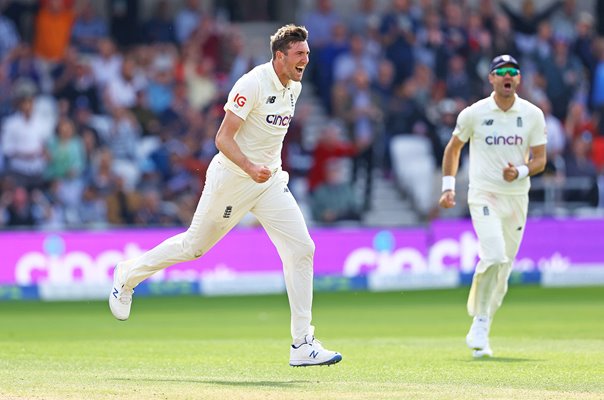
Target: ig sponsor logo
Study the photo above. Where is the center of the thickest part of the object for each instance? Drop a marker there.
(239, 100)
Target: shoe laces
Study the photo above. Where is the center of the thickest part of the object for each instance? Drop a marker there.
(314, 342)
(126, 295)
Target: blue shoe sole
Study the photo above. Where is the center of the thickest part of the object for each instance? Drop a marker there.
(336, 359)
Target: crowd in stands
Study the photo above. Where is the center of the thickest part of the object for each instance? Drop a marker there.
(111, 119)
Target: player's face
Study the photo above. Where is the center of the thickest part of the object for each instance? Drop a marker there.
(505, 80)
(295, 60)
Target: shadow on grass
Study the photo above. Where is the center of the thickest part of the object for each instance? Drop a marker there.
(224, 382)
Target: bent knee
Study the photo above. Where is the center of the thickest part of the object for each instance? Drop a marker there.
(190, 249)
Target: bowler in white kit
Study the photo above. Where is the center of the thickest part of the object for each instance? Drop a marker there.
(507, 145)
(246, 176)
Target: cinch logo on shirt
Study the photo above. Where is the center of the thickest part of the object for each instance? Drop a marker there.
(503, 140)
(279, 119)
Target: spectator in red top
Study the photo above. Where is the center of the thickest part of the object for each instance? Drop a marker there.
(331, 145)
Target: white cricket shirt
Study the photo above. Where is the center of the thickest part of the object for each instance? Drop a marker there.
(498, 137)
(267, 108)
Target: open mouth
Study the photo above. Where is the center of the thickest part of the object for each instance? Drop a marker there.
(300, 69)
(507, 85)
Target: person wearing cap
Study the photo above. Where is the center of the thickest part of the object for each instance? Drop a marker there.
(507, 145)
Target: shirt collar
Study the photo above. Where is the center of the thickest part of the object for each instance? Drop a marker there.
(274, 77)
(494, 106)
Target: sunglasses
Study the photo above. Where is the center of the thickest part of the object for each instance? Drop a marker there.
(507, 70)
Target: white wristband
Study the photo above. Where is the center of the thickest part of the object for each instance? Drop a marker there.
(448, 183)
(523, 172)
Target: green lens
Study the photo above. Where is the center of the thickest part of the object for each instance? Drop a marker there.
(507, 70)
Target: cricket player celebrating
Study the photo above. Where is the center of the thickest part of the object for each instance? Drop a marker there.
(507, 145)
(244, 176)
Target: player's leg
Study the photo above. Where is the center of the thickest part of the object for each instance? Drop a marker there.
(492, 254)
(225, 200)
(513, 230)
(488, 227)
(280, 215)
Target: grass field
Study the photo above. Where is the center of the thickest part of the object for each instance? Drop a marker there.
(548, 344)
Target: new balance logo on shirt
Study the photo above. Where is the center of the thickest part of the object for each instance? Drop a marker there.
(227, 212)
(487, 122)
(271, 99)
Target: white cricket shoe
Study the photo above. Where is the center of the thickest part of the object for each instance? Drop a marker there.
(120, 298)
(310, 353)
(478, 337)
(484, 352)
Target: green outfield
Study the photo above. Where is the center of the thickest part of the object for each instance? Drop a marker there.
(548, 344)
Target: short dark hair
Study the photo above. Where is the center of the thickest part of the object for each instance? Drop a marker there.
(286, 35)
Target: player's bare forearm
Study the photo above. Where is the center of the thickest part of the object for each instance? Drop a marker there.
(451, 157)
(225, 142)
(450, 166)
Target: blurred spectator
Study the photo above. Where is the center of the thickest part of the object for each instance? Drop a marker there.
(239, 62)
(17, 209)
(153, 212)
(365, 120)
(455, 30)
(457, 79)
(92, 209)
(160, 88)
(597, 99)
(579, 120)
(564, 20)
(526, 21)
(331, 145)
(187, 19)
(9, 38)
(583, 44)
(561, 76)
(326, 59)
(353, 59)
(102, 175)
(122, 204)
(121, 92)
(107, 64)
(24, 137)
(123, 142)
(398, 29)
(147, 119)
(160, 27)
(580, 166)
(123, 21)
(335, 199)
(321, 21)
(88, 29)
(403, 117)
(207, 41)
(65, 153)
(53, 29)
(21, 13)
(22, 64)
(74, 82)
(503, 36)
(430, 45)
(366, 20)
(199, 78)
(556, 139)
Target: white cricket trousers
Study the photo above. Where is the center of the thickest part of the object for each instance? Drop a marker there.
(226, 198)
(499, 222)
